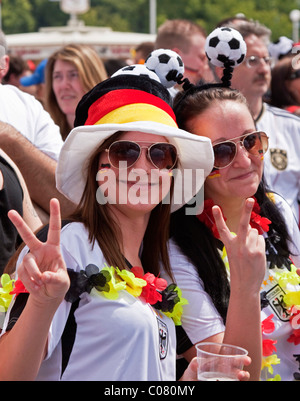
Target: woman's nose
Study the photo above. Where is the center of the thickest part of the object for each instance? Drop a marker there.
(242, 158)
(143, 161)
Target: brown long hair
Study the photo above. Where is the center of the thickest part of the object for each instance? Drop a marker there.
(187, 106)
(91, 71)
(103, 229)
(280, 95)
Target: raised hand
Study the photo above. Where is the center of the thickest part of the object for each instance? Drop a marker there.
(246, 250)
(43, 270)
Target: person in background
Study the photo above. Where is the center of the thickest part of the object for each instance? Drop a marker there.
(188, 40)
(13, 195)
(141, 52)
(18, 68)
(253, 79)
(113, 65)
(30, 138)
(71, 72)
(285, 85)
(36, 80)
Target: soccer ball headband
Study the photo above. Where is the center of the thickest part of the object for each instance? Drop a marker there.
(225, 48)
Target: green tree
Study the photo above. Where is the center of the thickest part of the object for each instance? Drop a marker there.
(133, 15)
(17, 16)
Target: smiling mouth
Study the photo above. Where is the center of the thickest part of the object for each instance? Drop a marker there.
(67, 97)
(243, 176)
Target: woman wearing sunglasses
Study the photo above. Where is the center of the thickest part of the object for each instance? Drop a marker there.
(222, 115)
(122, 314)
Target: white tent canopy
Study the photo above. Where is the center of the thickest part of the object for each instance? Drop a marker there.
(108, 44)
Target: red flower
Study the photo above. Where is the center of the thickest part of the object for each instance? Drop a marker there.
(150, 292)
(258, 222)
(295, 324)
(18, 288)
(208, 219)
(268, 326)
(269, 347)
(295, 337)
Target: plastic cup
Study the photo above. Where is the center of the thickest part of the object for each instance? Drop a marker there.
(219, 362)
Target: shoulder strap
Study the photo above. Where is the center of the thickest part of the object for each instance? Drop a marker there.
(68, 337)
(43, 232)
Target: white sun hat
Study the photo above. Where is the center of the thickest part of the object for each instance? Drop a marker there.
(138, 103)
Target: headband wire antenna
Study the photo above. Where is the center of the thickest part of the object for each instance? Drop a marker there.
(224, 47)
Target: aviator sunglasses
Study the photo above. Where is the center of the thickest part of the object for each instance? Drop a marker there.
(255, 143)
(161, 155)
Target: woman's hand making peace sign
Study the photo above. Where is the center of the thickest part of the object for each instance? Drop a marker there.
(246, 250)
(43, 271)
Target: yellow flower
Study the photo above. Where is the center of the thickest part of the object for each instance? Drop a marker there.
(225, 258)
(269, 361)
(177, 310)
(286, 278)
(292, 298)
(7, 286)
(271, 196)
(134, 285)
(115, 285)
(277, 378)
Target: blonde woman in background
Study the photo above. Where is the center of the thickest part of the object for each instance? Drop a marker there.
(71, 72)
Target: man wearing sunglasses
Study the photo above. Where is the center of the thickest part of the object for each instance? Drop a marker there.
(253, 78)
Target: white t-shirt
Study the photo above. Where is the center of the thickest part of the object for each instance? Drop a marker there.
(200, 318)
(28, 116)
(116, 340)
(282, 161)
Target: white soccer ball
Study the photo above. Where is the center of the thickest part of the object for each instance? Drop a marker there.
(281, 47)
(167, 64)
(138, 70)
(225, 44)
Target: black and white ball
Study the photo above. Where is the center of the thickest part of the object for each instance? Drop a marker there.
(137, 69)
(167, 64)
(282, 47)
(225, 44)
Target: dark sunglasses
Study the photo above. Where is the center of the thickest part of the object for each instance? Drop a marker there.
(161, 155)
(256, 143)
(294, 75)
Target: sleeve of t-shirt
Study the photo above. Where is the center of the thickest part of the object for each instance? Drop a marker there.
(292, 226)
(47, 134)
(200, 319)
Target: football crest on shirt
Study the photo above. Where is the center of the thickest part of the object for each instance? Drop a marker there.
(275, 297)
(163, 338)
(279, 159)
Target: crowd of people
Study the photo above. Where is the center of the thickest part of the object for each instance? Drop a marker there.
(87, 274)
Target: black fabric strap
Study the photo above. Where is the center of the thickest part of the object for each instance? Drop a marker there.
(68, 337)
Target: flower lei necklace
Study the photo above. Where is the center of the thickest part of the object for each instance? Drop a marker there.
(256, 221)
(287, 279)
(108, 282)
